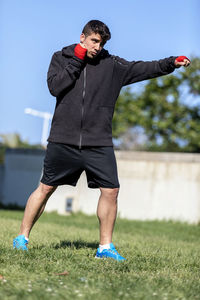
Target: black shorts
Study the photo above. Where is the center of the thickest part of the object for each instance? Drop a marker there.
(63, 164)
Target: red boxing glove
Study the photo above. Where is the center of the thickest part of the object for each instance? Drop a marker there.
(80, 52)
(181, 58)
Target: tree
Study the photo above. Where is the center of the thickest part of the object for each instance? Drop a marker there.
(169, 122)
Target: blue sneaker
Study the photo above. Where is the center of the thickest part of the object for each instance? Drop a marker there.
(112, 253)
(20, 243)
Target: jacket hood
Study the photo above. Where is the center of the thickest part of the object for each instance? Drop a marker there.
(69, 52)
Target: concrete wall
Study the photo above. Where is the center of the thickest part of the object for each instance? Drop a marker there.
(22, 171)
(161, 186)
(152, 185)
(1, 181)
(83, 198)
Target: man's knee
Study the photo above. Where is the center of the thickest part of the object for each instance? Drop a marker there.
(110, 193)
(46, 189)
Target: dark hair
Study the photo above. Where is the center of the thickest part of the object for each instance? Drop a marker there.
(95, 26)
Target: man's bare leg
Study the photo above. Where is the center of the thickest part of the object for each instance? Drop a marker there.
(107, 212)
(35, 207)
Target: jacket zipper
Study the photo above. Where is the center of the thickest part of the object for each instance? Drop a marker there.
(82, 107)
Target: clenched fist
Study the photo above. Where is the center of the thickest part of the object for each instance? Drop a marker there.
(182, 61)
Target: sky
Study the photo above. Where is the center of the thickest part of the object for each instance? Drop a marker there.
(32, 30)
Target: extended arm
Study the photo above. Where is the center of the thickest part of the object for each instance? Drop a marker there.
(135, 71)
(130, 72)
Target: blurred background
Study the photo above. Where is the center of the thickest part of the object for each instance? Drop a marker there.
(158, 115)
(31, 31)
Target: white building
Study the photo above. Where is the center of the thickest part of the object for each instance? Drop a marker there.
(153, 186)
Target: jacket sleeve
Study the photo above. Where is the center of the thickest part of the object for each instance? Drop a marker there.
(135, 71)
(60, 76)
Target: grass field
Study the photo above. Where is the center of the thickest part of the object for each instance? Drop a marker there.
(163, 260)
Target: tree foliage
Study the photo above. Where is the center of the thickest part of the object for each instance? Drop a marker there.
(166, 110)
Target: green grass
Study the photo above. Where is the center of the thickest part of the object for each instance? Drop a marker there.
(163, 260)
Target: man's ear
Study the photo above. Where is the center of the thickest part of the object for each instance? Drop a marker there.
(82, 37)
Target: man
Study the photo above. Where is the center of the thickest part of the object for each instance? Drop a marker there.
(86, 81)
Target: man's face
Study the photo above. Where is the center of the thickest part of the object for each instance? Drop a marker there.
(93, 44)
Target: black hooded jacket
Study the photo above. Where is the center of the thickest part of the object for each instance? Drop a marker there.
(86, 93)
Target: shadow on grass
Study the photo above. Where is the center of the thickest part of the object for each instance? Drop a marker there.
(75, 244)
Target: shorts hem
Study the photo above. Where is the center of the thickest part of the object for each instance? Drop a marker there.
(57, 184)
(103, 186)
